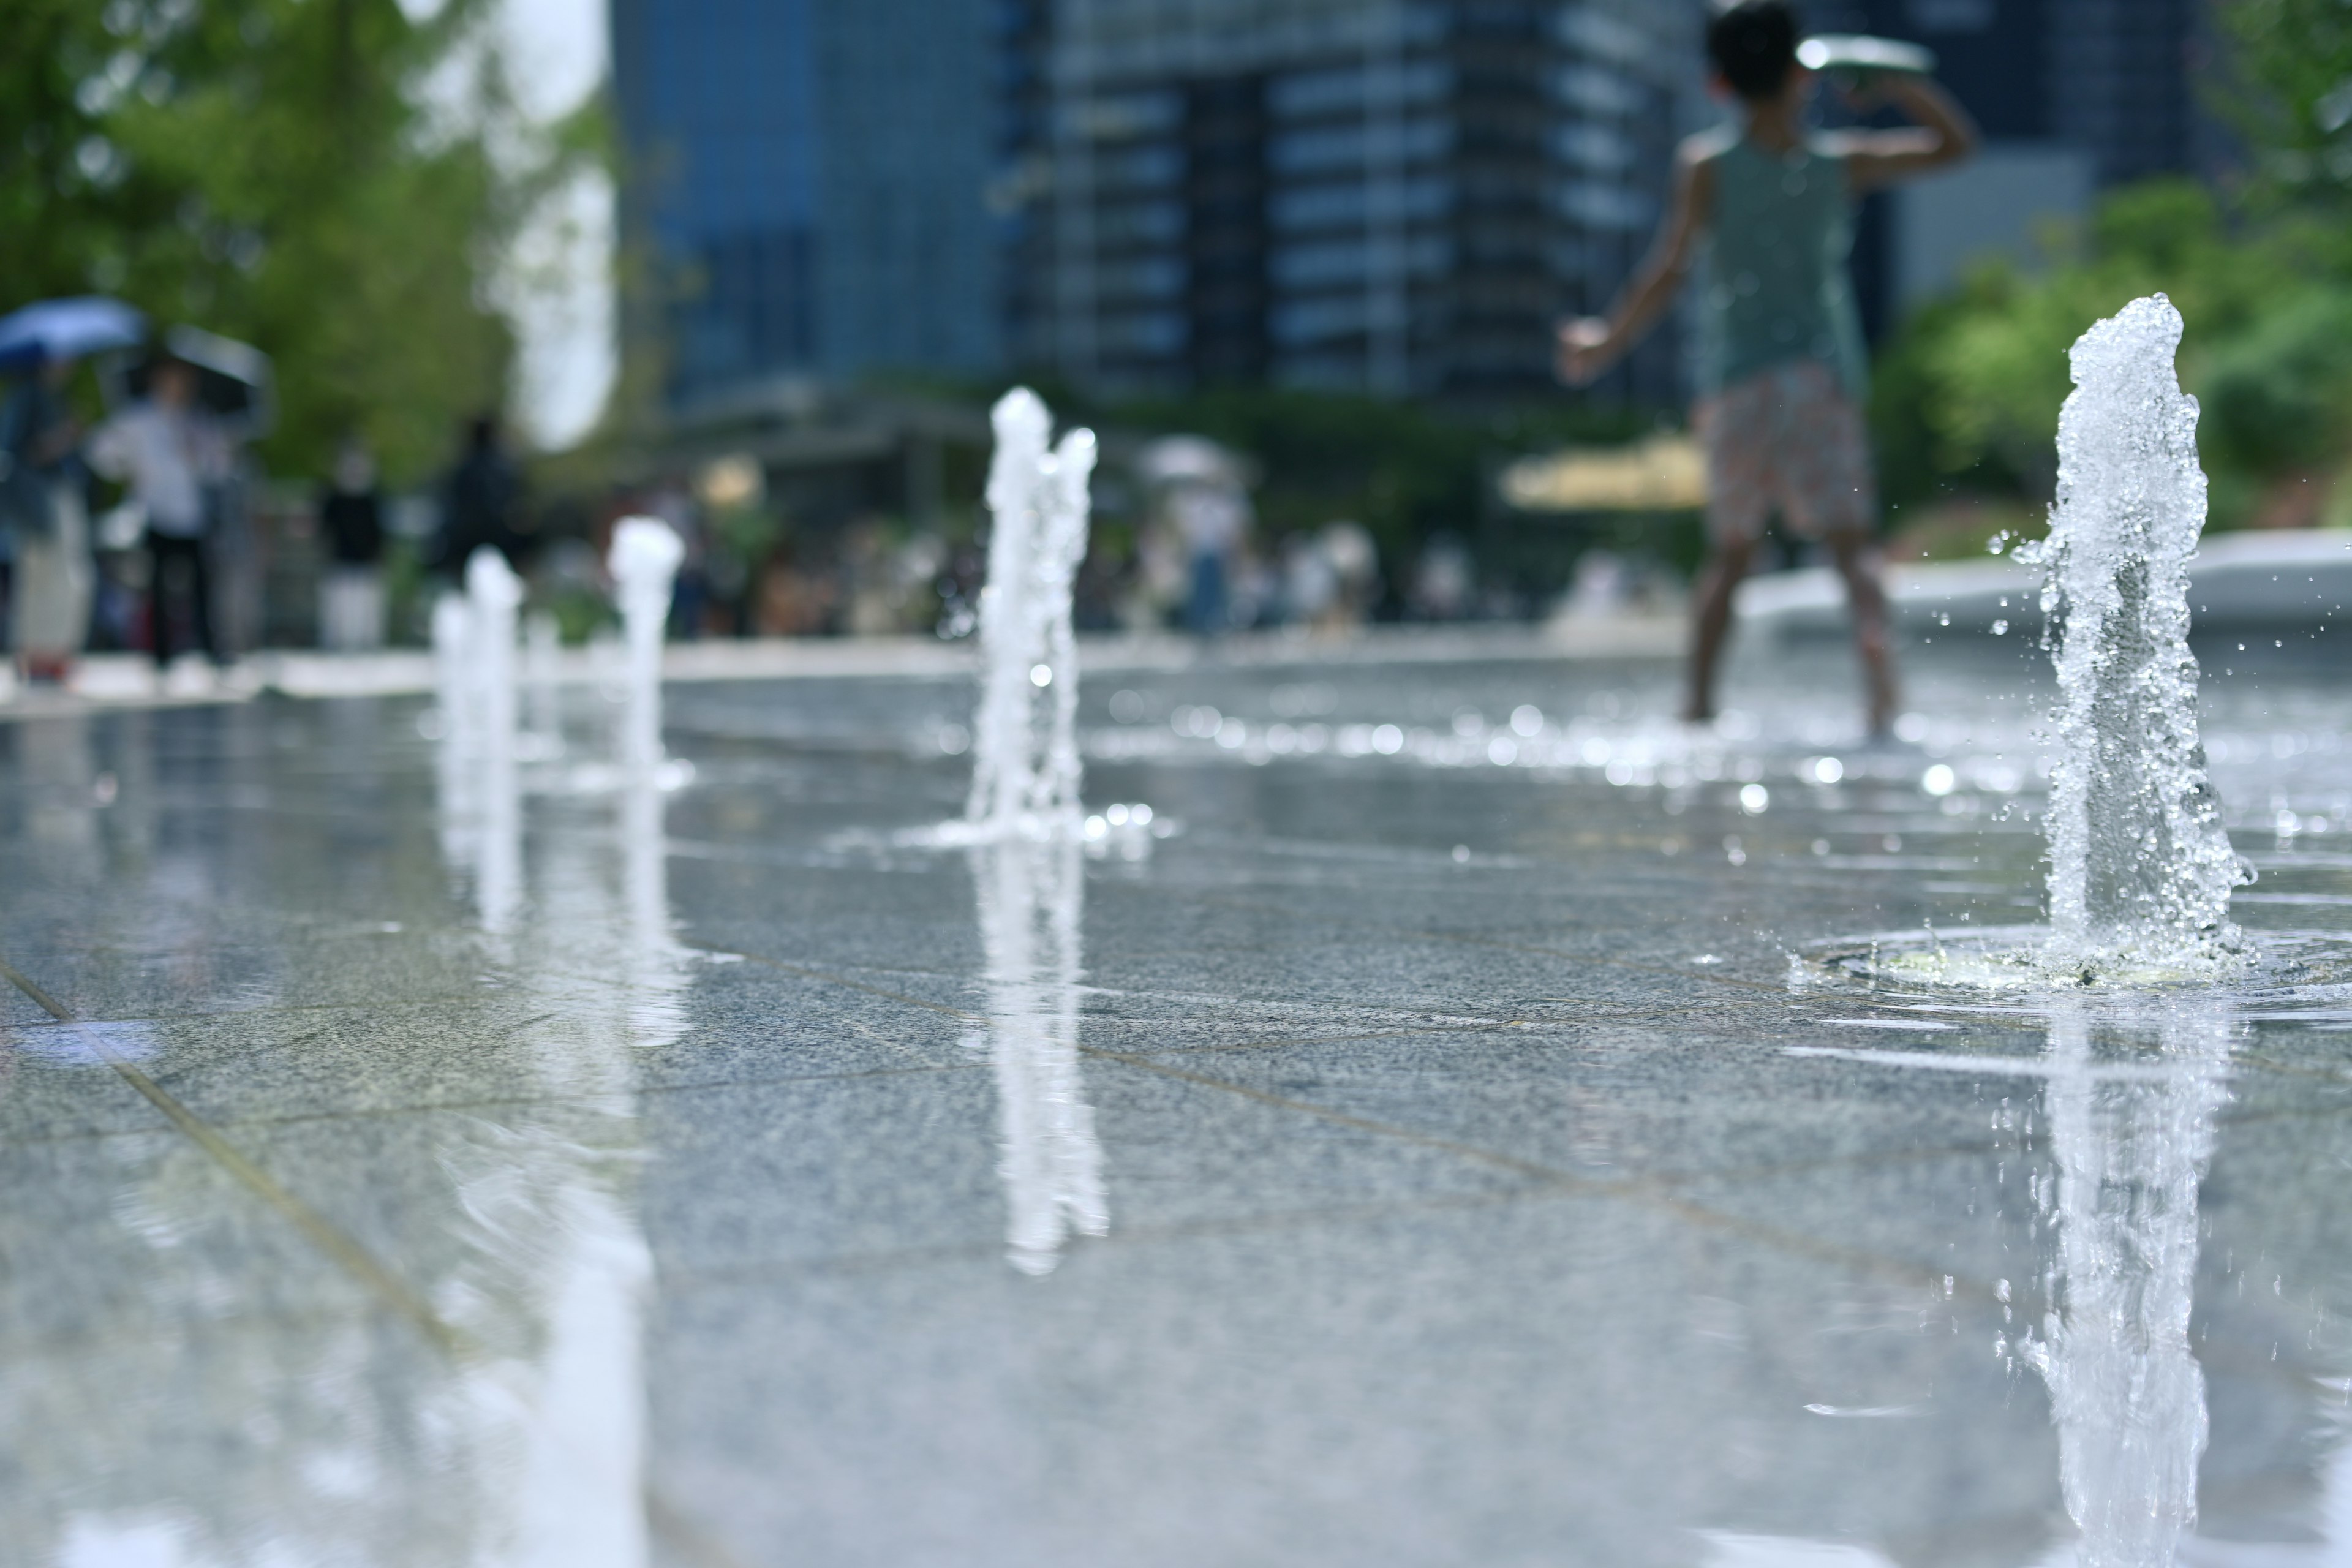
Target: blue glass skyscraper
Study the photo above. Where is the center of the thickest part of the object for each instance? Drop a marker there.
(805, 187)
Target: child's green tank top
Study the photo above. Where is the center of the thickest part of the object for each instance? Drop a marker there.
(1775, 282)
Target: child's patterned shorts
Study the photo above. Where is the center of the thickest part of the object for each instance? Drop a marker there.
(1791, 438)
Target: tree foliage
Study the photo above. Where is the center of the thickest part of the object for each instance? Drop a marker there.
(1971, 389)
(2289, 89)
(1968, 392)
(306, 175)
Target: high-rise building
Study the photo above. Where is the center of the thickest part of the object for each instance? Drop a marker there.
(1388, 195)
(805, 189)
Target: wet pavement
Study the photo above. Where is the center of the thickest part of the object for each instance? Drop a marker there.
(1442, 1134)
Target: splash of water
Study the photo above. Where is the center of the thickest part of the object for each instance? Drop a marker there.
(1025, 770)
(2140, 868)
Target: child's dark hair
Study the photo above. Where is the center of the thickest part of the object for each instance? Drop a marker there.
(1753, 44)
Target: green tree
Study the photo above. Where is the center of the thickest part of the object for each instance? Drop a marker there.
(2288, 86)
(317, 177)
(1968, 394)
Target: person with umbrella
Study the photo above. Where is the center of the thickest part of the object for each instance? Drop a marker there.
(171, 456)
(43, 485)
(44, 495)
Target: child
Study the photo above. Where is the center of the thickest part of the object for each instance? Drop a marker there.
(1781, 380)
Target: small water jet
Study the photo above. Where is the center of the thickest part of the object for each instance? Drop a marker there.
(1025, 772)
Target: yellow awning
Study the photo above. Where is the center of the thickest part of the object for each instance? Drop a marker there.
(1664, 473)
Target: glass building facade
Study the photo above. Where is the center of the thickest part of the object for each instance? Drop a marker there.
(807, 190)
(1397, 196)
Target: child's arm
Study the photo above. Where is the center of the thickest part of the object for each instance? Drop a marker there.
(1589, 344)
(1944, 136)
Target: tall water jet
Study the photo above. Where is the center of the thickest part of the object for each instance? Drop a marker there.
(2140, 868)
(542, 658)
(644, 562)
(453, 627)
(1025, 772)
(494, 595)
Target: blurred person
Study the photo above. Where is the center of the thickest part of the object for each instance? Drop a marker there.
(481, 500)
(45, 495)
(1767, 205)
(351, 590)
(1348, 545)
(1162, 578)
(1310, 583)
(172, 456)
(1211, 518)
(1444, 580)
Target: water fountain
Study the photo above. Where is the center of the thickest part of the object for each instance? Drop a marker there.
(542, 661)
(493, 596)
(644, 561)
(453, 625)
(1025, 770)
(2140, 869)
(2140, 877)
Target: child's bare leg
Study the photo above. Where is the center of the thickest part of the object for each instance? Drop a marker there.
(1726, 563)
(1857, 563)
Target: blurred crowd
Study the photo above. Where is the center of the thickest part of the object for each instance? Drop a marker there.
(148, 529)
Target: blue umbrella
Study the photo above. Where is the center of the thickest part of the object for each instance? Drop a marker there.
(67, 328)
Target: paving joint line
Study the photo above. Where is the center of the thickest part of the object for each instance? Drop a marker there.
(457, 1346)
(318, 1230)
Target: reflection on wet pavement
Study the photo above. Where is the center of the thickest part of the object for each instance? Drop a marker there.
(486, 1150)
